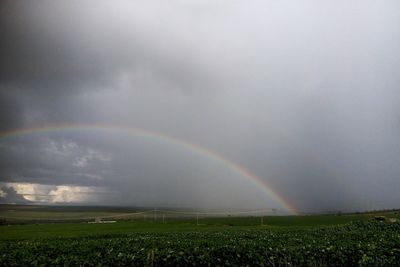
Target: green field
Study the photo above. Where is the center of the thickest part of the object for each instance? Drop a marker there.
(317, 240)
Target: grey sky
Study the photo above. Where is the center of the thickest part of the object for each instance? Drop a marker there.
(305, 95)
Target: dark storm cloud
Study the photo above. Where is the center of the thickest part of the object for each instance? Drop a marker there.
(49, 60)
(11, 113)
(44, 49)
(303, 94)
(51, 161)
(39, 52)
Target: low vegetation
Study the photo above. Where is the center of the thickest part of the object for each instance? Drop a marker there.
(370, 239)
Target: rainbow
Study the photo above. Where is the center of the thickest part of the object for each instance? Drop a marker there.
(212, 155)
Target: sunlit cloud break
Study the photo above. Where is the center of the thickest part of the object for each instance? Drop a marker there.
(39, 193)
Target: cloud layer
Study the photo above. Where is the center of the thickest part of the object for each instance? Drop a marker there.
(305, 95)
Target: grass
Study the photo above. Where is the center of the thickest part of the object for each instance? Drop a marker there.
(29, 222)
(30, 231)
(36, 213)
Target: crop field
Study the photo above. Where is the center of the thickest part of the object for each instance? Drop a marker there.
(318, 240)
(357, 243)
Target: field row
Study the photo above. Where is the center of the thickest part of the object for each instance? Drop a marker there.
(359, 243)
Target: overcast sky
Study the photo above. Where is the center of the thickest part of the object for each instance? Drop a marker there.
(304, 94)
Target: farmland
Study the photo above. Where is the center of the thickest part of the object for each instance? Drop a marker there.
(317, 240)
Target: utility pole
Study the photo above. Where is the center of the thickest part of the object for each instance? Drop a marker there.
(163, 218)
(262, 220)
(197, 218)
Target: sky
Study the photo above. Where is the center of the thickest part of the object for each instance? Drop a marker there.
(304, 95)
